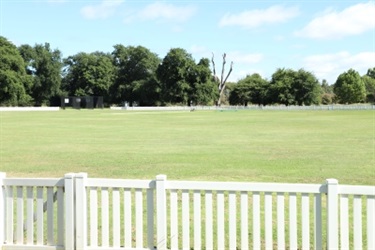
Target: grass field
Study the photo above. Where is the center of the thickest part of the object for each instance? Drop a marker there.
(269, 146)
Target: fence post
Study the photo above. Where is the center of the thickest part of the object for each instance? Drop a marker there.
(2, 209)
(161, 212)
(69, 211)
(81, 211)
(332, 214)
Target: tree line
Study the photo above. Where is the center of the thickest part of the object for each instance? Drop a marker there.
(38, 75)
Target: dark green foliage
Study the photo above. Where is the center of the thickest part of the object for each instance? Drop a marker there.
(38, 76)
(135, 79)
(14, 82)
(370, 88)
(88, 74)
(350, 88)
(252, 89)
(291, 87)
(203, 89)
(183, 81)
(44, 65)
(174, 74)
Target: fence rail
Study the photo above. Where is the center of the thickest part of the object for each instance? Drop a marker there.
(251, 107)
(77, 212)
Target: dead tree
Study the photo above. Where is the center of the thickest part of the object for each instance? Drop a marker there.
(222, 81)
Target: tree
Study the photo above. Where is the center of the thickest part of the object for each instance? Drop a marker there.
(240, 94)
(307, 88)
(135, 79)
(174, 73)
(327, 92)
(88, 74)
(253, 89)
(14, 82)
(203, 89)
(369, 80)
(349, 87)
(280, 90)
(371, 72)
(222, 81)
(44, 65)
(291, 87)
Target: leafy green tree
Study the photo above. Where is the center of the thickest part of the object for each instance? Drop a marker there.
(371, 72)
(203, 89)
(88, 74)
(349, 87)
(251, 89)
(135, 79)
(240, 94)
(44, 65)
(306, 88)
(370, 88)
(291, 87)
(280, 90)
(174, 73)
(14, 81)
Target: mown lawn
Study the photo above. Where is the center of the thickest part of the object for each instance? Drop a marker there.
(246, 145)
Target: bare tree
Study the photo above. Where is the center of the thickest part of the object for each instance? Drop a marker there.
(222, 81)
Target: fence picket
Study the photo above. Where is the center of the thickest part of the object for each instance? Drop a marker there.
(293, 221)
(30, 216)
(280, 221)
(105, 217)
(50, 228)
(220, 227)
(150, 218)
(357, 221)
(60, 216)
(256, 220)
(39, 216)
(244, 221)
(305, 212)
(93, 217)
(344, 221)
(185, 220)
(318, 222)
(115, 217)
(268, 220)
(174, 219)
(197, 220)
(209, 223)
(19, 216)
(139, 218)
(370, 222)
(128, 218)
(232, 220)
(65, 223)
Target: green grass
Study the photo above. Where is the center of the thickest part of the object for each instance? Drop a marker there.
(267, 146)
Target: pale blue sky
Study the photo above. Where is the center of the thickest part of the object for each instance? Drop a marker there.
(324, 37)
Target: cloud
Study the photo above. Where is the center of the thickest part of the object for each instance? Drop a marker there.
(255, 18)
(242, 58)
(101, 11)
(353, 20)
(164, 11)
(330, 66)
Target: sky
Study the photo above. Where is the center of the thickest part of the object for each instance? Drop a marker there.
(325, 37)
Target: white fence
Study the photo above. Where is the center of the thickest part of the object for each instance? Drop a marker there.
(29, 109)
(77, 212)
(251, 107)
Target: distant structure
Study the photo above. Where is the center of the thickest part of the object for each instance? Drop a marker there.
(82, 102)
